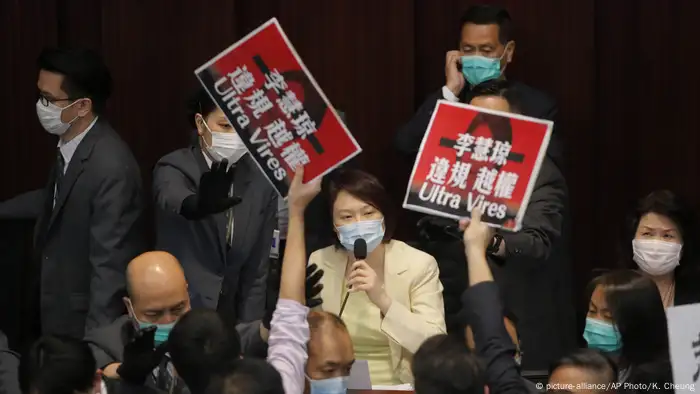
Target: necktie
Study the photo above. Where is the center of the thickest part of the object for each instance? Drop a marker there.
(229, 221)
(60, 166)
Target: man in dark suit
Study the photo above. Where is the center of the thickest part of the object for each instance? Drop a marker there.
(89, 214)
(533, 265)
(217, 213)
(485, 49)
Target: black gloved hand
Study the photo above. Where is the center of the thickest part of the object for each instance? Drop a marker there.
(214, 187)
(312, 287)
(140, 357)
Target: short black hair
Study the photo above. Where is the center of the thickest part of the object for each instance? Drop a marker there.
(669, 204)
(487, 14)
(499, 88)
(199, 103)
(444, 365)
(246, 376)
(58, 365)
(638, 312)
(590, 360)
(200, 341)
(367, 188)
(85, 74)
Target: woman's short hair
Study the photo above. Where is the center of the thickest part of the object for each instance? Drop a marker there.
(665, 203)
(638, 312)
(367, 188)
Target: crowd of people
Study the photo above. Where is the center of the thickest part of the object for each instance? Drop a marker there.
(211, 309)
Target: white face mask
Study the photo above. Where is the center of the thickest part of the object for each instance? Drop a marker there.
(50, 117)
(656, 257)
(227, 146)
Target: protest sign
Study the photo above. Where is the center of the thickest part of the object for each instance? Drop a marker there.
(684, 345)
(277, 108)
(478, 158)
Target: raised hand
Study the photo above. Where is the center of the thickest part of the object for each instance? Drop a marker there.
(300, 194)
(477, 235)
(453, 72)
(141, 356)
(214, 187)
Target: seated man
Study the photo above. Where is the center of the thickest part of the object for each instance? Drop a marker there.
(131, 347)
(331, 354)
(200, 342)
(584, 366)
(246, 376)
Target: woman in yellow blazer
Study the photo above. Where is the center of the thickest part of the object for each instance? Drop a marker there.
(394, 300)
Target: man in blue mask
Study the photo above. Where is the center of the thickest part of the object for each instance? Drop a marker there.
(486, 48)
(132, 347)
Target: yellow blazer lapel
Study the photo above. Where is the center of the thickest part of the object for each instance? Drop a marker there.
(397, 288)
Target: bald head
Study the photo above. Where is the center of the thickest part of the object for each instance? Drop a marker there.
(330, 348)
(157, 288)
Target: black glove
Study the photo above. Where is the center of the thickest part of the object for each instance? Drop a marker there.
(141, 357)
(313, 289)
(212, 196)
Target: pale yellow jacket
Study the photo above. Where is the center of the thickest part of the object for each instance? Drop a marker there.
(411, 280)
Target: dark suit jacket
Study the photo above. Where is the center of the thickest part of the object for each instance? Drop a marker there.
(9, 368)
(535, 276)
(532, 103)
(200, 245)
(86, 240)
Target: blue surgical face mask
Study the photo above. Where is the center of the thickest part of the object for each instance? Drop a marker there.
(602, 336)
(372, 231)
(478, 69)
(338, 385)
(162, 330)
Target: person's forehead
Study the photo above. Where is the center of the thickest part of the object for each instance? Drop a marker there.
(50, 82)
(474, 34)
(160, 297)
(331, 345)
(598, 297)
(655, 220)
(572, 374)
(345, 200)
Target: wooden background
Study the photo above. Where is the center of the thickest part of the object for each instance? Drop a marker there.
(621, 70)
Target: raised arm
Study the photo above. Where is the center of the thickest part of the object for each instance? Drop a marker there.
(289, 332)
(482, 302)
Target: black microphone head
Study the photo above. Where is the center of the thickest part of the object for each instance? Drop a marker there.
(360, 249)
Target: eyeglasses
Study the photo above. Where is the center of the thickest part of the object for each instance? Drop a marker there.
(45, 100)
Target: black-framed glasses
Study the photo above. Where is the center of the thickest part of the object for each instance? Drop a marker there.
(45, 100)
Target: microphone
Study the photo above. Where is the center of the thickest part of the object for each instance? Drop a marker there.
(360, 252)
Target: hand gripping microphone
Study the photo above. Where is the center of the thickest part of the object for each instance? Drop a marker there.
(360, 252)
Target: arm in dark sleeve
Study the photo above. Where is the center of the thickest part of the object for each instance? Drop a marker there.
(115, 238)
(25, 206)
(173, 192)
(253, 279)
(409, 137)
(9, 368)
(493, 343)
(542, 224)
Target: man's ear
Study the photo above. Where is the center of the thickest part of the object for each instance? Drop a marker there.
(510, 51)
(486, 389)
(129, 307)
(84, 106)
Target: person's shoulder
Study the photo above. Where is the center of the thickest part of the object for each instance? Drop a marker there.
(176, 157)
(414, 260)
(327, 256)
